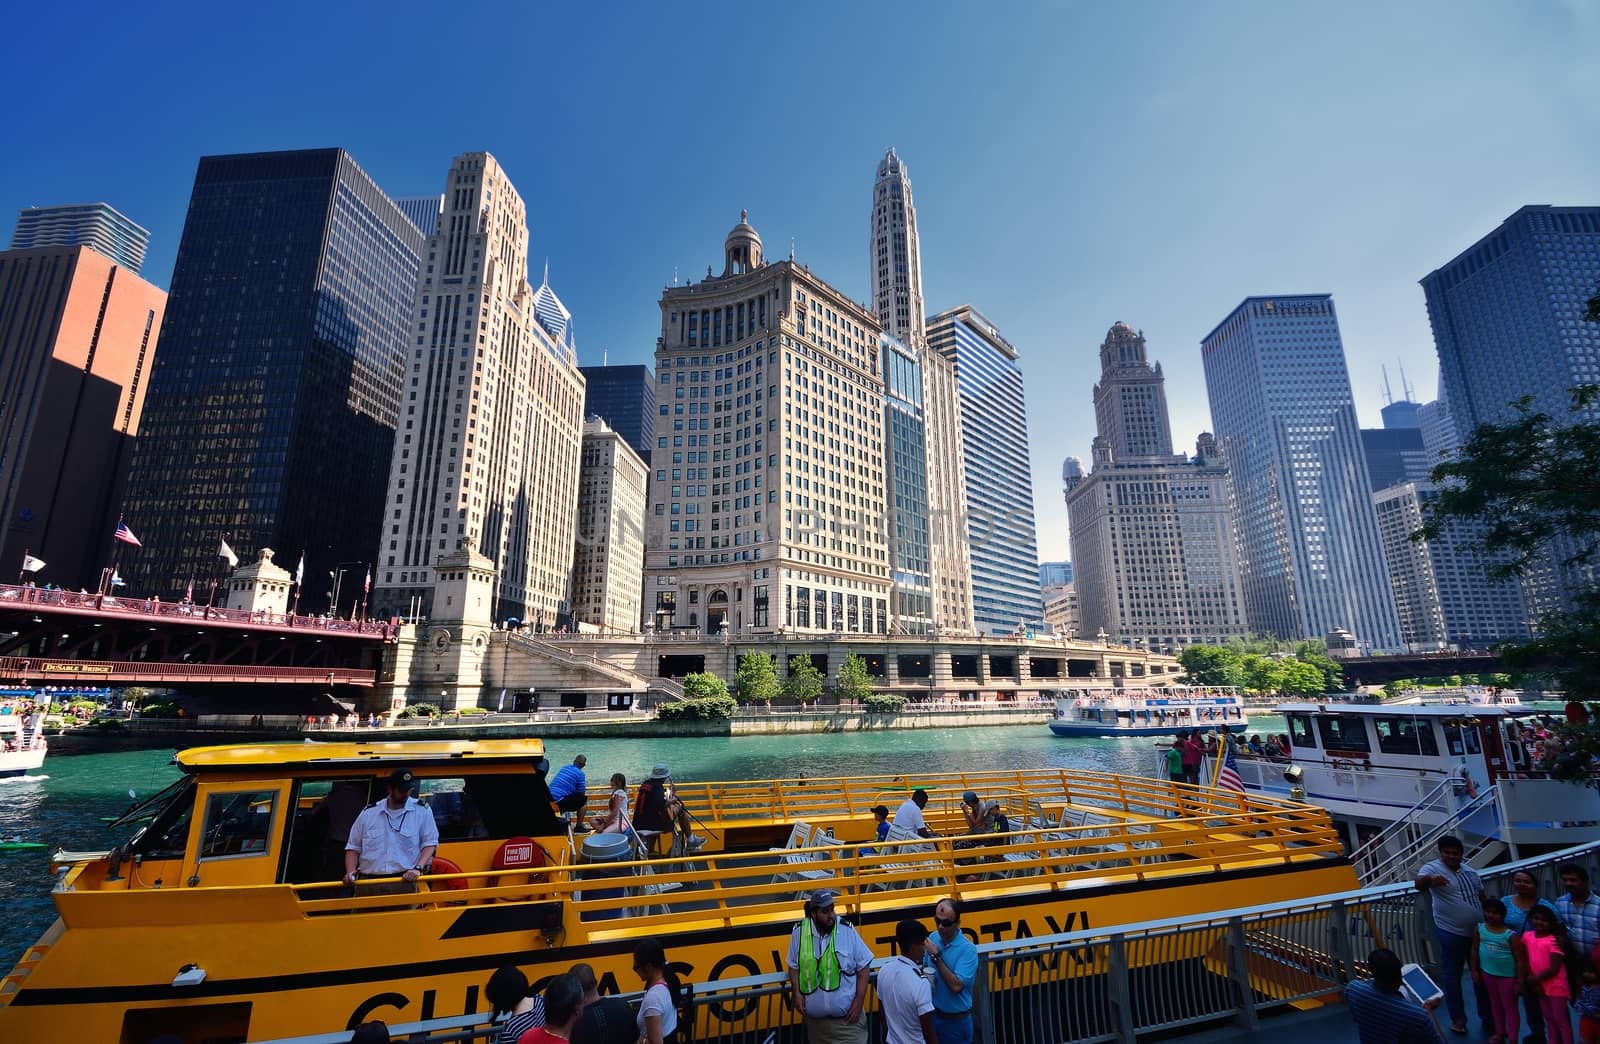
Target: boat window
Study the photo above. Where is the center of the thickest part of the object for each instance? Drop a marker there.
(1405, 736)
(325, 810)
(238, 823)
(1461, 740)
(1343, 734)
(489, 806)
(1300, 733)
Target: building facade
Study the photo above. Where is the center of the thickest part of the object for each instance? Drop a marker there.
(1061, 611)
(1442, 590)
(1001, 539)
(272, 406)
(423, 211)
(896, 266)
(78, 335)
(608, 565)
(98, 226)
(487, 457)
(625, 398)
(1153, 549)
(767, 480)
(1054, 574)
(1507, 317)
(1394, 455)
(1309, 552)
(905, 457)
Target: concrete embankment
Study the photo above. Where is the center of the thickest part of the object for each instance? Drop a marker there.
(147, 734)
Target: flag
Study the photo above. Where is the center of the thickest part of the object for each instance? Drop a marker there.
(188, 592)
(366, 587)
(31, 564)
(224, 551)
(1228, 775)
(300, 570)
(125, 534)
(116, 580)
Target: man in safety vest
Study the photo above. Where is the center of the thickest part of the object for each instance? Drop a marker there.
(828, 966)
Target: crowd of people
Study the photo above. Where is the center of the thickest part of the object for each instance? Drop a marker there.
(1531, 962)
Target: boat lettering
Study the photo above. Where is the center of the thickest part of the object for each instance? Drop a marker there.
(399, 1002)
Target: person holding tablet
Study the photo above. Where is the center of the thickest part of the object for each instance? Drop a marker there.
(1383, 1013)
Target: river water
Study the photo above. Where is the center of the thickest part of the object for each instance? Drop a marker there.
(63, 806)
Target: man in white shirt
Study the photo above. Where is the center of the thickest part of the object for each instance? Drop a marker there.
(909, 815)
(903, 992)
(393, 838)
(828, 965)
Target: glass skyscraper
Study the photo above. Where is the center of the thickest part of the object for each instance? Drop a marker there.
(625, 398)
(994, 440)
(272, 406)
(905, 458)
(1507, 316)
(1310, 555)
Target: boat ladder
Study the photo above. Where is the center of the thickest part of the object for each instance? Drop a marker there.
(1394, 853)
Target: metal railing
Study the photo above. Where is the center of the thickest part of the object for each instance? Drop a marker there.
(13, 595)
(1399, 844)
(53, 668)
(1118, 984)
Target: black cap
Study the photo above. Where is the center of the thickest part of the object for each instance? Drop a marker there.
(401, 778)
(880, 810)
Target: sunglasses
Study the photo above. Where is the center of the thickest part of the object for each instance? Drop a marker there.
(945, 922)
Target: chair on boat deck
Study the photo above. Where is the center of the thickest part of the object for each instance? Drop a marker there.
(816, 870)
(915, 846)
(790, 860)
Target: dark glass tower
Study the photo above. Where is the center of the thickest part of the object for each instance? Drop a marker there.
(625, 398)
(271, 413)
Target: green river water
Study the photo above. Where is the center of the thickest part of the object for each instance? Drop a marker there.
(62, 807)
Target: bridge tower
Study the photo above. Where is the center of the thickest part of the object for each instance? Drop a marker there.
(447, 659)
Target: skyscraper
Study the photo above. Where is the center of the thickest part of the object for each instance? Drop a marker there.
(994, 452)
(98, 226)
(1395, 453)
(1507, 317)
(422, 211)
(77, 338)
(1280, 398)
(896, 267)
(905, 458)
(767, 483)
(1153, 550)
(625, 398)
(488, 454)
(272, 405)
(608, 565)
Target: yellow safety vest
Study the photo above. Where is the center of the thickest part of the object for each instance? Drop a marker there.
(812, 971)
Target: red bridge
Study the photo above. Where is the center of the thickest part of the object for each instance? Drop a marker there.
(65, 637)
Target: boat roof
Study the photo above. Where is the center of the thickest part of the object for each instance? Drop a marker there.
(388, 754)
(1414, 710)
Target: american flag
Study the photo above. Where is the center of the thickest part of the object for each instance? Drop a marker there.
(125, 534)
(1228, 774)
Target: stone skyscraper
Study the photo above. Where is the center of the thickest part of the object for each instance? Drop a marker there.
(994, 454)
(1308, 539)
(896, 266)
(272, 405)
(767, 479)
(1153, 552)
(487, 458)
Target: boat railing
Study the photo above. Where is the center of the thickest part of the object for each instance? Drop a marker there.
(1448, 808)
(1160, 975)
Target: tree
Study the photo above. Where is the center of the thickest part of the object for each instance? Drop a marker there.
(1211, 665)
(1298, 678)
(704, 685)
(852, 682)
(804, 684)
(757, 678)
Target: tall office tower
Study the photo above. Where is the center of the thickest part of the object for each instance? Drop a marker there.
(896, 267)
(1396, 452)
(905, 457)
(422, 211)
(1055, 574)
(608, 566)
(625, 398)
(1153, 550)
(77, 338)
(1442, 590)
(273, 403)
(1507, 317)
(1130, 400)
(1308, 539)
(487, 457)
(767, 489)
(98, 226)
(994, 454)
(1439, 439)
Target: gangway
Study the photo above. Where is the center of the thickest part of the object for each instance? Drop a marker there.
(1394, 853)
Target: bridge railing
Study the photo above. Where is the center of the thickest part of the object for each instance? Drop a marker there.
(12, 596)
(45, 668)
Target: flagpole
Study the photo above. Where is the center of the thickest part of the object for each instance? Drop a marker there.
(23, 572)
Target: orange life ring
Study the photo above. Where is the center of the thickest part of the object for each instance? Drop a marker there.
(442, 865)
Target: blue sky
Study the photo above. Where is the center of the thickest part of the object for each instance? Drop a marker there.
(1073, 164)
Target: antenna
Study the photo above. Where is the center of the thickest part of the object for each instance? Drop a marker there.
(791, 248)
(1388, 396)
(1405, 385)
(674, 275)
(605, 357)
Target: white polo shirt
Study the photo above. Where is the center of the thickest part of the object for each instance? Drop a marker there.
(389, 840)
(905, 997)
(909, 817)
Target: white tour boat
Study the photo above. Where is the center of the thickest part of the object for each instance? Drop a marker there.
(22, 749)
(1147, 711)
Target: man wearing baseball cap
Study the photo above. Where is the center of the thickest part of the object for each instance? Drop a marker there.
(828, 966)
(393, 838)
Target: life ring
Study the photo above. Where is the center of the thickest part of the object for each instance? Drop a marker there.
(441, 865)
(1078, 703)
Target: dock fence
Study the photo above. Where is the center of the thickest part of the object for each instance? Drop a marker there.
(1157, 976)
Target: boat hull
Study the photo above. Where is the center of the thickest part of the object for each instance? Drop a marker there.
(1103, 730)
(20, 762)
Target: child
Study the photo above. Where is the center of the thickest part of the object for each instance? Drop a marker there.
(1547, 974)
(1588, 1005)
(1498, 965)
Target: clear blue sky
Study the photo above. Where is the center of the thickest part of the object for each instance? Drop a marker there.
(1073, 164)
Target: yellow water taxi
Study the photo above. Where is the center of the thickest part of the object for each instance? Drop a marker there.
(223, 917)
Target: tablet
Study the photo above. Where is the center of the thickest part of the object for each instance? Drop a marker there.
(1419, 985)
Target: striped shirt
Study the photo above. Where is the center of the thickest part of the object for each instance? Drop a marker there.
(1457, 904)
(1582, 920)
(1388, 1017)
